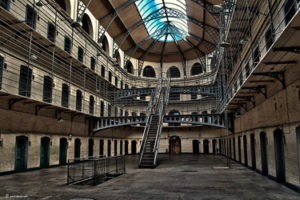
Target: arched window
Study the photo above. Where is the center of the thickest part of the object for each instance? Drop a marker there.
(92, 102)
(174, 72)
(65, 95)
(149, 72)
(105, 45)
(47, 89)
(129, 67)
(87, 25)
(65, 5)
(196, 69)
(118, 57)
(78, 100)
(25, 81)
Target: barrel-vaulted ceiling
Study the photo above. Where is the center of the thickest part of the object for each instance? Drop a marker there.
(146, 29)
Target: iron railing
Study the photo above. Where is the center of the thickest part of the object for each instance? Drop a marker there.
(94, 170)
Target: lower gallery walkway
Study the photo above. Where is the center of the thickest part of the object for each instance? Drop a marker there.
(177, 177)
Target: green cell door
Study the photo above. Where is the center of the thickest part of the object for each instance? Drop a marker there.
(21, 149)
(45, 151)
(1, 70)
(77, 149)
(279, 155)
(63, 145)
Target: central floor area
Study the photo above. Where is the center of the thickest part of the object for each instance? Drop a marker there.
(177, 177)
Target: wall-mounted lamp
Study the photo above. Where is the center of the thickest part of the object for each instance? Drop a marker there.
(225, 44)
(39, 3)
(218, 8)
(243, 41)
(33, 57)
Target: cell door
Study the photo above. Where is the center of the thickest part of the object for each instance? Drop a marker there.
(264, 158)
(109, 148)
(91, 148)
(253, 154)
(205, 147)
(133, 147)
(279, 155)
(44, 154)
(77, 149)
(63, 145)
(195, 146)
(239, 149)
(214, 146)
(115, 148)
(101, 148)
(1, 70)
(245, 150)
(298, 147)
(126, 147)
(21, 149)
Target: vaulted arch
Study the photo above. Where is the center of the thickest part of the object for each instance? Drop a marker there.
(196, 69)
(174, 72)
(87, 25)
(129, 67)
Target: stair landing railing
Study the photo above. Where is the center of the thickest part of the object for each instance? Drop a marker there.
(162, 108)
(152, 107)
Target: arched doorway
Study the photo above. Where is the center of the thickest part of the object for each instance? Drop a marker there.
(45, 151)
(101, 148)
(264, 154)
(126, 147)
(253, 154)
(195, 146)
(175, 145)
(91, 148)
(133, 147)
(245, 150)
(108, 148)
(279, 155)
(205, 146)
(77, 149)
(63, 146)
(21, 150)
(214, 146)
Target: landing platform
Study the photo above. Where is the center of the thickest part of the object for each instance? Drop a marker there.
(177, 177)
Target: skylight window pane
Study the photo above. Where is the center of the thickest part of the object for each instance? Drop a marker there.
(164, 18)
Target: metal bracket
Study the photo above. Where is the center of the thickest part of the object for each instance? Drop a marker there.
(13, 101)
(281, 62)
(294, 49)
(81, 7)
(276, 75)
(259, 89)
(38, 108)
(248, 98)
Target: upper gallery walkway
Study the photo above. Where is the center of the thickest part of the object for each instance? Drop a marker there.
(177, 177)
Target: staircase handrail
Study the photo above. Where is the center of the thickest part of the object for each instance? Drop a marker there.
(163, 104)
(152, 106)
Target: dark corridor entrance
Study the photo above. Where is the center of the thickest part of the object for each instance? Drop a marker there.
(279, 155)
(195, 146)
(133, 147)
(126, 147)
(77, 149)
(45, 152)
(206, 147)
(21, 153)
(253, 154)
(63, 145)
(214, 146)
(245, 150)
(175, 145)
(108, 148)
(264, 158)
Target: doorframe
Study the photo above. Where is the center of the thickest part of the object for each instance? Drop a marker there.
(26, 151)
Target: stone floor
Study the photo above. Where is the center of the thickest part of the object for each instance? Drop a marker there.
(177, 177)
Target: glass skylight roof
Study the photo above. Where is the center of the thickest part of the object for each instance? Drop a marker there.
(164, 18)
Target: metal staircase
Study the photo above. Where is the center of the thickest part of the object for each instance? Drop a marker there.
(154, 122)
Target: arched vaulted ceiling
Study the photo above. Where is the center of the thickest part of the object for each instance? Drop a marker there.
(146, 29)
